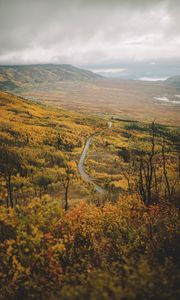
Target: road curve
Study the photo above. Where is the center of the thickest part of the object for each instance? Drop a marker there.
(83, 174)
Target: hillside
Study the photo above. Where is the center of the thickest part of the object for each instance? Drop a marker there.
(175, 81)
(12, 77)
(59, 239)
(107, 246)
(47, 140)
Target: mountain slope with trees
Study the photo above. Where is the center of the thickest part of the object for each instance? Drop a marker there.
(13, 77)
(58, 238)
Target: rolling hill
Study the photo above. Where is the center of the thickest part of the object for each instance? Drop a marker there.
(13, 77)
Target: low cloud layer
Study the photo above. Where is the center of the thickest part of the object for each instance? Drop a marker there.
(85, 32)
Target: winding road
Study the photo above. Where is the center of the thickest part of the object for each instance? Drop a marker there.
(83, 174)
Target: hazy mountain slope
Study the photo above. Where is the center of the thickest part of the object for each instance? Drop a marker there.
(175, 81)
(12, 77)
(80, 90)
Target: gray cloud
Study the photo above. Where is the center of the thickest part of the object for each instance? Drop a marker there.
(88, 32)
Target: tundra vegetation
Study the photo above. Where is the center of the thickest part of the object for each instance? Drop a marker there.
(61, 240)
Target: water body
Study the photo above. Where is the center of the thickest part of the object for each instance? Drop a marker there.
(153, 78)
(167, 100)
(147, 71)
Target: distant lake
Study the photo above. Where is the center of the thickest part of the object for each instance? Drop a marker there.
(153, 78)
(151, 71)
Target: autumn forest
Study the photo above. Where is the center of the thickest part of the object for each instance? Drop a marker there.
(106, 229)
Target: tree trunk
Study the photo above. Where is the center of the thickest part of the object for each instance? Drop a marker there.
(66, 195)
(165, 174)
(141, 181)
(9, 190)
(156, 185)
(179, 164)
(151, 165)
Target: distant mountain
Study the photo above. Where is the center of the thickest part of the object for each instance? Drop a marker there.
(148, 71)
(13, 77)
(174, 80)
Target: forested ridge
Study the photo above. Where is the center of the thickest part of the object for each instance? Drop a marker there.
(59, 239)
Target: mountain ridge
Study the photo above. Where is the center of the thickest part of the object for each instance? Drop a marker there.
(15, 76)
(174, 80)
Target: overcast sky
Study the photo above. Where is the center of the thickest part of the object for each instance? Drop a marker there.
(85, 32)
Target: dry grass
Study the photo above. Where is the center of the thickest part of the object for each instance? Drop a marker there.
(131, 99)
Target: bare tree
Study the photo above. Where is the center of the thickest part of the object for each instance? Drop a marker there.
(66, 179)
(10, 165)
(147, 169)
(165, 171)
(154, 167)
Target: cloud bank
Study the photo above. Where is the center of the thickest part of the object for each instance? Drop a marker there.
(83, 32)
